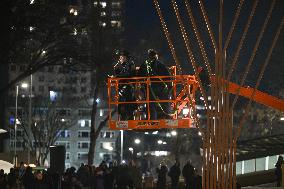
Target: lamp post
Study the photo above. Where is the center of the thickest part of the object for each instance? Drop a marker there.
(26, 85)
(15, 126)
(121, 146)
(30, 118)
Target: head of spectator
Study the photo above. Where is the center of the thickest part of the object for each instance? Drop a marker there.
(152, 54)
(38, 175)
(123, 56)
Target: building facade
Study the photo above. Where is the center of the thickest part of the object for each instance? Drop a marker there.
(72, 92)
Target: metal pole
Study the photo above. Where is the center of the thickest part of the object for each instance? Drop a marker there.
(30, 119)
(15, 135)
(121, 144)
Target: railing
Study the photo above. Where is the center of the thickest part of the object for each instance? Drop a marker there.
(180, 91)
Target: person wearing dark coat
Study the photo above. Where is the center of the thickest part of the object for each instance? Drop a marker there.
(124, 180)
(174, 174)
(188, 174)
(12, 178)
(3, 179)
(158, 90)
(162, 176)
(28, 178)
(125, 68)
(278, 170)
(39, 182)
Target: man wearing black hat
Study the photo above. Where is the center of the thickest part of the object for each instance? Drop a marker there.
(125, 68)
(159, 90)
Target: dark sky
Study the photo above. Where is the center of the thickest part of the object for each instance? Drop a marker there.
(142, 22)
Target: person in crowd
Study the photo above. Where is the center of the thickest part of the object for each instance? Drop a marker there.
(3, 179)
(39, 182)
(158, 90)
(197, 180)
(83, 175)
(278, 170)
(108, 177)
(162, 176)
(124, 179)
(174, 174)
(12, 178)
(188, 174)
(28, 178)
(125, 68)
(99, 175)
(136, 175)
(75, 183)
(22, 170)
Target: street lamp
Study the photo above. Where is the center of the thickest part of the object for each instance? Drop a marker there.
(23, 85)
(174, 133)
(137, 141)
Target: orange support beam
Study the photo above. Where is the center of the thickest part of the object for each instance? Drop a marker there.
(259, 96)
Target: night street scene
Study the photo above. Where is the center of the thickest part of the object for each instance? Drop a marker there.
(141, 94)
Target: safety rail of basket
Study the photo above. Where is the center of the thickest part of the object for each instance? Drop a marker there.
(182, 95)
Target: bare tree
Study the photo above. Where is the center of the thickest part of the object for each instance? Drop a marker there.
(48, 123)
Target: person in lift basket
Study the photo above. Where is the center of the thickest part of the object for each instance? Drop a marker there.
(125, 68)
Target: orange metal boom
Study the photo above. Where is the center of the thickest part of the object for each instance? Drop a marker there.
(259, 96)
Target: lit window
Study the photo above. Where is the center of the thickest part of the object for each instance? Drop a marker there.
(101, 112)
(71, 11)
(75, 31)
(107, 145)
(103, 24)
(115, 23)
(53, 95)
(103, 13)
(95, 3)
(32, 28)
(103, 4)
(115, 5)
(82, 123)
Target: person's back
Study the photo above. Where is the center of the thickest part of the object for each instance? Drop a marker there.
(3, 181)
(174, 174)
(28, 178)
(278, 170)
(124, 178)
(162, 177)
(159, 88)
(188, 174)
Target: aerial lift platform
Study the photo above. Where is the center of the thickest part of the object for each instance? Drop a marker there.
(183, 94)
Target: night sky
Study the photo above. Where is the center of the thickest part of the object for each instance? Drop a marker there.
(142, 22)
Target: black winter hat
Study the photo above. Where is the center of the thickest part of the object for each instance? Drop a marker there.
(122, 53)
(152, 53)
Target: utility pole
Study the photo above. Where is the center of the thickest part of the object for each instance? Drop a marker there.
(30, 119)
(15, 127)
